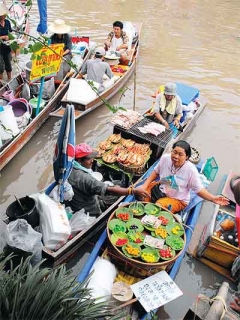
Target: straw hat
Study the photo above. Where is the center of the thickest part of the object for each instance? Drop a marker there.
(59, 26)
(3, 10)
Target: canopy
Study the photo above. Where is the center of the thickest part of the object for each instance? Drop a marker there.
(42, 8)
(64, 151)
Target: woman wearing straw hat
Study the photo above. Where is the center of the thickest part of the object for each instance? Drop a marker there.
(60, 35)
(5, 50)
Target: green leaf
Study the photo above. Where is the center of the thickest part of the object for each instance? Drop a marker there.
(14, 46)
(11, 36)
(37, 46)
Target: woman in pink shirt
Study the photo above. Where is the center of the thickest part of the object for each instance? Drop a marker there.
(177, 177)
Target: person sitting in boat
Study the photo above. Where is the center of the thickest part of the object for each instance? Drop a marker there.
(168, 106)
(235, 271)
(5, 50)
(87, 189)
(96, 69)
(117, 39)
(61, 35)
(177, 177)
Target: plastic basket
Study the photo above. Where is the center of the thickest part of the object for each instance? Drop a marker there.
(210, 169)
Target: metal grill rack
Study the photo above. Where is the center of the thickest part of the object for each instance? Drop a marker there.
(161, 140)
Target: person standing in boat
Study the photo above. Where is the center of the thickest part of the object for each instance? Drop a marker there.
(5, 50)
(177, 177)
(117, 39)
(61, 35)
(96, 69)
(168, 106)
(88, 190)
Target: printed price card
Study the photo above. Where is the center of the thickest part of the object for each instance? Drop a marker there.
(155, 291)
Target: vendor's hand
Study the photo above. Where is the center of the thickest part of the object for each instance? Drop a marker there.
(107, 43)
(220, 200)
(176, 123)
(140, 193)
(166, 125)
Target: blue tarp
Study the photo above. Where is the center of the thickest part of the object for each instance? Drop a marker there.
(186, 93)
(42, 8)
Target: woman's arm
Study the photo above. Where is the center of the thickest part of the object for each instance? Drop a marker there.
(126, 191)
(206, 195)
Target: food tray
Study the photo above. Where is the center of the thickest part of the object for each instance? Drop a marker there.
(138, 262)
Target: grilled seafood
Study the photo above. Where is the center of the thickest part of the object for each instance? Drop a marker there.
(100, 152)
(115, 138)
(117, 149)
(109, 157)
(130, 159)
(127, 143)
(105, 145)
(140, 148)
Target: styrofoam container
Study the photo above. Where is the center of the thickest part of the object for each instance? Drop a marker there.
(9, 121)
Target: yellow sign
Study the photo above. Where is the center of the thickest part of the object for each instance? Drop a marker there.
(49, 63)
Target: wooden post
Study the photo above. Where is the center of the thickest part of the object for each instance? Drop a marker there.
(218, 308)
(134, 85)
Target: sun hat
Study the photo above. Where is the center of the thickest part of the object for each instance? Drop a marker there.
(170, 89)
(3, 10)
(84, 150)
(59, 26)
(100, 51)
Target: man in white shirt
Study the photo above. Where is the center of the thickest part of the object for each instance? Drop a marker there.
(117, 39)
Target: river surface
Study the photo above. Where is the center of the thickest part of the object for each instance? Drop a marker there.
(196, 42)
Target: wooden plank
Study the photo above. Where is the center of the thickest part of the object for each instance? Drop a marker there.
(225, 272)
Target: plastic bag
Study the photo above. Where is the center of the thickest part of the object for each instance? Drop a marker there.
(48, 88)
(53, 222)
(68, 192)
(19, 234)
(81, 221)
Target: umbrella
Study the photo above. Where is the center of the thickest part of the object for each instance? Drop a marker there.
(64, 151)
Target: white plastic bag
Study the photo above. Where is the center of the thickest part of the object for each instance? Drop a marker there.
(53, 222)
(19, 234)
(81, 221)
(68, 192)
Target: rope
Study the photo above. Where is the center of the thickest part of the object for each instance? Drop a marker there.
(225, 309)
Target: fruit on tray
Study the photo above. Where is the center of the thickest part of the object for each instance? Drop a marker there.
(167, 253)
(135, 236)
(116, 225)
(137, 208)
(134, 225)
(119, 239)
(150, 255)
(161, 232)
(164, 220)
(152, 209)
(124, 216)
(132, 250)
(175, 242)
(175, 229)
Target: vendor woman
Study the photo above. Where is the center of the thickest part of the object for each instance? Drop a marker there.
(86, 188)
(178, 177)
(168, 106)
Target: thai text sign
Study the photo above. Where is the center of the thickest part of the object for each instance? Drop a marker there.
(155, 291)
(49, 63)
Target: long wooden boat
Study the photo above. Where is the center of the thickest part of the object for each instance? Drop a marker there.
(69, 248)
(128, 66)
(190, 220)
(12, 146)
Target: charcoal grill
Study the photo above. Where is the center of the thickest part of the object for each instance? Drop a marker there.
(161, 140)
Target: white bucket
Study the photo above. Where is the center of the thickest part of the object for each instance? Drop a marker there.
(8, 120)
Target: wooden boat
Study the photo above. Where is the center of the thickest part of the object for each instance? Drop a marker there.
(69, 248)
(190, 219)
(127, 66)
(12, 146)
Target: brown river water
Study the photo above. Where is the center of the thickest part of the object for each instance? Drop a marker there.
(196, 42)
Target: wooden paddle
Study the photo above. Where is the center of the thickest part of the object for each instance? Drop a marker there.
(68, 75)
(126, 304)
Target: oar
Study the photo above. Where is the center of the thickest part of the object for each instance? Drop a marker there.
(19, 202)
(68, 75)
